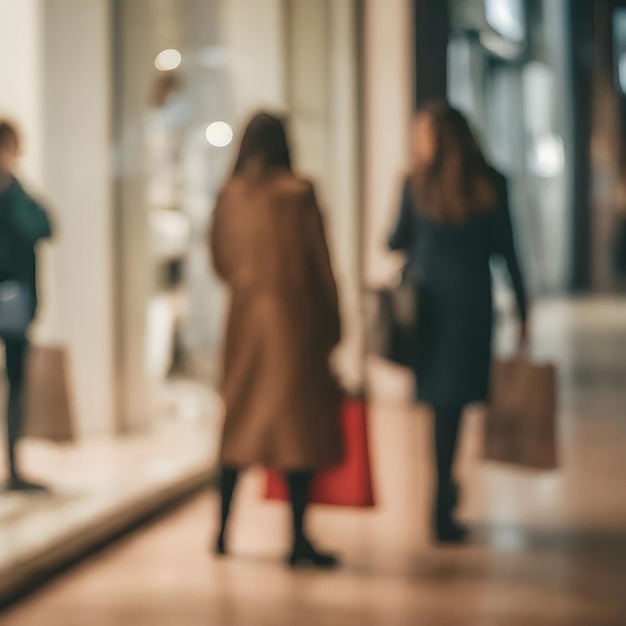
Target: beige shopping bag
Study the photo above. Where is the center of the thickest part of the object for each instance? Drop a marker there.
(521, 420)
(48, 411)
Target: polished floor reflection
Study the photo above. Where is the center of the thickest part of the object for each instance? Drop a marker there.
(549, 549)
(97, 481)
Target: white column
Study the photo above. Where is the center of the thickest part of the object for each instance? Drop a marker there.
(344, 146)
(388, 97)
(76, 131)
(142, 32)
(324, 119)
(309, 88)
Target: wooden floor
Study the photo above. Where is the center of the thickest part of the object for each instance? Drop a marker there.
(549, 549)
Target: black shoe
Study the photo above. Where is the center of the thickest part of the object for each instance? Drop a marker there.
(305, 554)
(220, 545)
(15, 483)
(447, 530)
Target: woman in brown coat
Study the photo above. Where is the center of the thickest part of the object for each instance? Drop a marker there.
(282, 402)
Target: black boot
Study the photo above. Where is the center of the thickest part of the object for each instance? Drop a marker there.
(447, 422)
(220, 546)
(16, 483)
(304, 554)
(447, 529)
(228, 482)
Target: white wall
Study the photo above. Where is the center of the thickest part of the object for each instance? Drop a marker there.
(253, 39)
(388, 98)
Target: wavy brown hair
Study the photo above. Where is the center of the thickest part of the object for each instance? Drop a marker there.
(456, 184)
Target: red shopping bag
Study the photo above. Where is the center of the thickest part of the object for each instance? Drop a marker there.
(348, 484)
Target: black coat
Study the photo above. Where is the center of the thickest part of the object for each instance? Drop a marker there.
(23, 222)
(455, 320)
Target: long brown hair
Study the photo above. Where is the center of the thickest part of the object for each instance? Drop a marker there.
(456, 183)
(265, 143)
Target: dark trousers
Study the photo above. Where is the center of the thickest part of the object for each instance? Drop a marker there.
(447, 424)
(299, 484)
(16, 350)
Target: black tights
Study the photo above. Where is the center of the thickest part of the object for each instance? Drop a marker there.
(447, 422)
(299, 483)
(16, 349)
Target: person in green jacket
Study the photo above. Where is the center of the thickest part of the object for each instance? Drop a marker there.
(23, 223)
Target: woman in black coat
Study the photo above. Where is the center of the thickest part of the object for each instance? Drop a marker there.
(454, 218)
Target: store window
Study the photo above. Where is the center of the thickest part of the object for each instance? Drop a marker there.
(508, 67)
(186, 86)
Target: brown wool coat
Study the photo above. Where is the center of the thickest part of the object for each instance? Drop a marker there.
(282, 402)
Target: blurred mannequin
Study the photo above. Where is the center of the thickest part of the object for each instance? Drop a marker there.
(165, 128)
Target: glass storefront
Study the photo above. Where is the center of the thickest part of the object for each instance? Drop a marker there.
(606, 101)
(508, 67)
